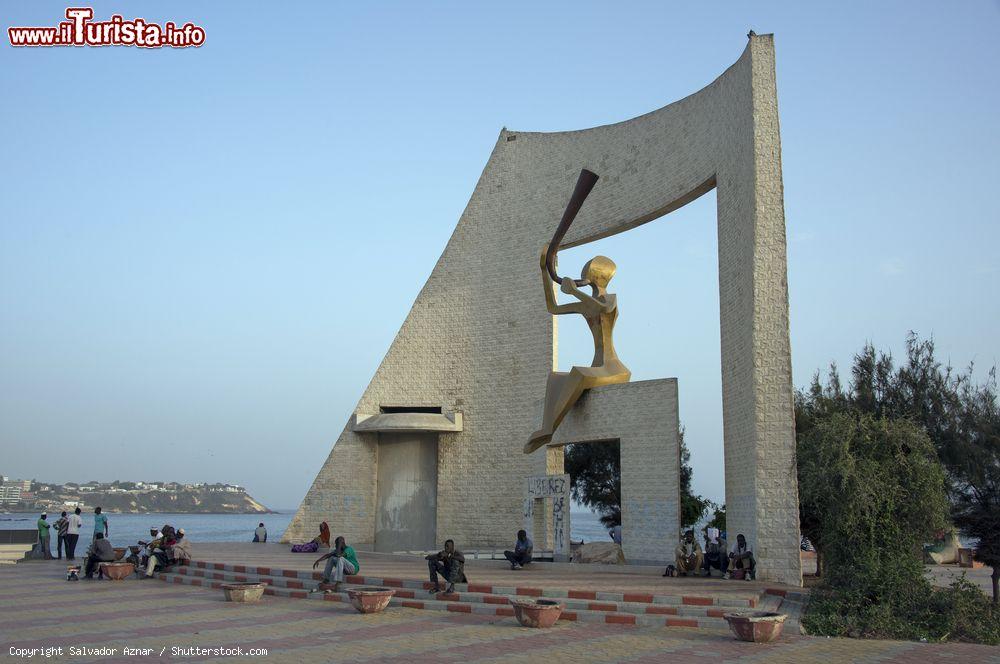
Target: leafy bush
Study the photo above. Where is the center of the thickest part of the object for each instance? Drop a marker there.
(962, 612)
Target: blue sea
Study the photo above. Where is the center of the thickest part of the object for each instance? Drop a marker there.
(126, 529)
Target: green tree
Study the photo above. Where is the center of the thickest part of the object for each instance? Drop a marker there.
(961, 417)
(693, 507)
(876, 492)
(595, 472)
(595, 481)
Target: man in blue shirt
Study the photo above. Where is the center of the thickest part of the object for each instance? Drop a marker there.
(521, 555)
(100, 523)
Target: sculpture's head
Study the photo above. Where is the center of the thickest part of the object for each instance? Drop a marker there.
(598, 271)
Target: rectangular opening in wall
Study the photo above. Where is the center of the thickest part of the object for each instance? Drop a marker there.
(595, 471)
(411, 409)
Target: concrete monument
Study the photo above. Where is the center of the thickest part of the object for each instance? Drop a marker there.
(434, 446)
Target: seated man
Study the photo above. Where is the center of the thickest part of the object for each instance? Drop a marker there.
(181, 551)
(450, 564)
(100, 551)
(521, 555)
(715, 553)
(340, 561)
(688, 554)
(160, 548)
(741, 558)
(147, 550)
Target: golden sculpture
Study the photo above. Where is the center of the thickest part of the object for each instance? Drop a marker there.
(600, 310)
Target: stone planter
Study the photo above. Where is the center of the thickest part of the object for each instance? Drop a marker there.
(243, 592)
(120, 552)
(117, 571)
(756, 626)
(369, 599)
(536, 612)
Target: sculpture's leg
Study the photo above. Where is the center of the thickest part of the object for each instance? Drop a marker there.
(561, 391)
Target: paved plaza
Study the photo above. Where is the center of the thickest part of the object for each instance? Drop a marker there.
(40, 609)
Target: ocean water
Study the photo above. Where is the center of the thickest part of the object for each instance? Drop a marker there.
(126, 529)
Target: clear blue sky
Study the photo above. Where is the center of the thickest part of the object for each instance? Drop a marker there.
(204, 253)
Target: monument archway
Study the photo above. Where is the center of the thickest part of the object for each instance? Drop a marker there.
(478, 344)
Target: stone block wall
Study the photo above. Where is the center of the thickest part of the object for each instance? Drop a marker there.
(643, 417)
(488, 354)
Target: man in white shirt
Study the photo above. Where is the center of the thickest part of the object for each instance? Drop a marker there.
(73, 533)
(741, 558)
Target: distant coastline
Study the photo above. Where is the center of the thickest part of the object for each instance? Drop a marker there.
(118, 497)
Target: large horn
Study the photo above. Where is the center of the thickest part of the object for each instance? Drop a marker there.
(584, 184)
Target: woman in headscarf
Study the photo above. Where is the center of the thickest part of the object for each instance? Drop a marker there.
(324, 535)
(323, 539)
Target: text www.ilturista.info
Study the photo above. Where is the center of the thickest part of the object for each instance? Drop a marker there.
(80, 30)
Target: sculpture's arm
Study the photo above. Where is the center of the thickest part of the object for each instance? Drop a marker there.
(554, 307)
(605, 306)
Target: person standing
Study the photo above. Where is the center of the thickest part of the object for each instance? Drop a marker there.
(61, 527)
(100, 523)
(73, 525)
(43, 536)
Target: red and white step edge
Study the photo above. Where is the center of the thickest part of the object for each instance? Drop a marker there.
(581, 605)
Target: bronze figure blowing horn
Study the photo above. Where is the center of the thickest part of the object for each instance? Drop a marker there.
(584, 184)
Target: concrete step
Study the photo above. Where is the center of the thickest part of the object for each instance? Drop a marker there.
(215, 579)
(424, 594)
(13, 553)
(748, 600)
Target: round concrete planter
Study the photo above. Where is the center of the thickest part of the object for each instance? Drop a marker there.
(117, 571)
(756, 626)
(370, 599)
(243, 592)
(536, 612)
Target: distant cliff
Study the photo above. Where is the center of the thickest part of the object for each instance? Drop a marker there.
(133, 497)
(183, 501)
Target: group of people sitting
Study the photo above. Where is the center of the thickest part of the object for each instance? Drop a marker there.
(447, 564)
(738, 562)
(165, 547)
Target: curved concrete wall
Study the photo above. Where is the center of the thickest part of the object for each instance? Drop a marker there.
(489, 358)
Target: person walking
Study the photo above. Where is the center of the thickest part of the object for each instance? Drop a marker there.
(100, 523)
(73, 525)
(61, 527)
(43, 536)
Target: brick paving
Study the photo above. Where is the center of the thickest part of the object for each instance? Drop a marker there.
(40, 609)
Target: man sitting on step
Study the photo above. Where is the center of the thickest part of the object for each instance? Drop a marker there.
(340, 561)
(741, 562)
(450, 564)
(521, 555)
(100, 551)
(688, 554)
